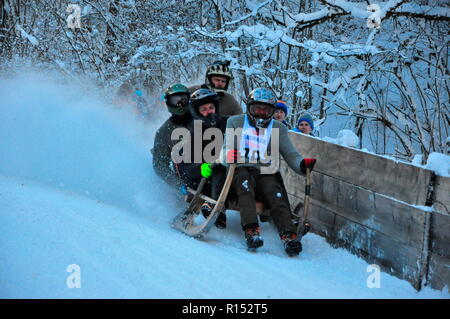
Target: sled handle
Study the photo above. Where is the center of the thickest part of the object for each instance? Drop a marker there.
(304, 227)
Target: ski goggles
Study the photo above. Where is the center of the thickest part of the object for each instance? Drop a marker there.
(262, 110)
(178, 110)
(178, 100)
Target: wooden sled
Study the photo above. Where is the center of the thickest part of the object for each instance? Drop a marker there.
(185, 221)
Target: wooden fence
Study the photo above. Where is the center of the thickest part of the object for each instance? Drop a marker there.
(377, 208)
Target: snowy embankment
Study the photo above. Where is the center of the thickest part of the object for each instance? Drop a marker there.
(77, 188)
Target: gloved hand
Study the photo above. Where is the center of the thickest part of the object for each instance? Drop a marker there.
(307, 163)
(232, 156)
(206, 170)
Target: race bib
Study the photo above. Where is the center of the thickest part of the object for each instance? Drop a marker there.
(254, 142)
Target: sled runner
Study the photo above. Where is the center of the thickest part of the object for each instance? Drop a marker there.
(185, 221)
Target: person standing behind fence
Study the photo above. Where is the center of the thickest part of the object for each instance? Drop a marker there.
(305, 124)
(281, 111)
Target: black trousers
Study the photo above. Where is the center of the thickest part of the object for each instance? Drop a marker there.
(250, 185)
(213, 185)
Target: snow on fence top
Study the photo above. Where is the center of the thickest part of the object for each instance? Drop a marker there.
(403, 181)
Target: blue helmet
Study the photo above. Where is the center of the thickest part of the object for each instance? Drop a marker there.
(260, 96)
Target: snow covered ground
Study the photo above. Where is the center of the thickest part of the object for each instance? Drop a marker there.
(77, 191)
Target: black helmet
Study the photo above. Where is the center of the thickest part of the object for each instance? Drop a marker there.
(218, 68)
(200, 97)
(177, 99)
(261, 97)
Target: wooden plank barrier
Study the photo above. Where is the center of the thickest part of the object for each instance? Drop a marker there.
(375, 207)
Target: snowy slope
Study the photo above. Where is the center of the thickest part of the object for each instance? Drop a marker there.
(77, 187)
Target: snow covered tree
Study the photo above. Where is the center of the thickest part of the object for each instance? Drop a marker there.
(382, 67)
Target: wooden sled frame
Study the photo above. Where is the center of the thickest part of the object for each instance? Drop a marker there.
(230, 204)
(185, 221)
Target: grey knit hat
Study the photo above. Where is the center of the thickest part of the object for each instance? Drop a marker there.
(308, 118)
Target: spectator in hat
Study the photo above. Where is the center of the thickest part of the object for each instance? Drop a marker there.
(305, 124)
(281, 111)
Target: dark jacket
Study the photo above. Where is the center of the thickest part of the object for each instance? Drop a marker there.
(193, 169)
(162, 150)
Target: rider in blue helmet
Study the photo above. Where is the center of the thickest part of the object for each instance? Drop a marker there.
(254, 133)
(261, 107)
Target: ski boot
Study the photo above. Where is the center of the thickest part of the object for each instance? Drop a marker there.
(253, 236)
(206, 209)
(291, 244)
(221, 221)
